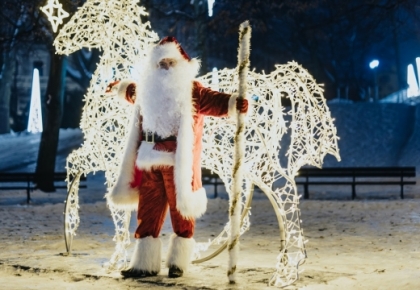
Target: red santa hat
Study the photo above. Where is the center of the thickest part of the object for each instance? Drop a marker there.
(171, 39)
(169, 47)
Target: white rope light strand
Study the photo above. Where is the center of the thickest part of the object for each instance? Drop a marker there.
(114, 27)
(237, 175)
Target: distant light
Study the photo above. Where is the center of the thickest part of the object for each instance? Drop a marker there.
(418, 67)
(210, 4)
(374, 63)
(214, 79)
(413, 87)
(35, 115)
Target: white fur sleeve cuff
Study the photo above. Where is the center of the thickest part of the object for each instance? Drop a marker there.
(122, 87)
(123, 196)
(193, 205)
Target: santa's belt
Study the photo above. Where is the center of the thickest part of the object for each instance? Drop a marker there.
(153, 137)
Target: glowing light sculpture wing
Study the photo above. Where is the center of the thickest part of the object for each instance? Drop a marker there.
(312, 135)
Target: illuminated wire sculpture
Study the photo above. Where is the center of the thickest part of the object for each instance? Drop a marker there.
(312, 135)
(55, 13)
(115, 27)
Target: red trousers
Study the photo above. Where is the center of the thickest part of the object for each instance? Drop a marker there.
(157, 192)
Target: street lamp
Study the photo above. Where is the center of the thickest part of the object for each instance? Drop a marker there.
(373, 65)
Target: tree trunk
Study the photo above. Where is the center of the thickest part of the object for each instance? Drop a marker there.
(54, 97)
(201, 15)
(401, 84)
(44, 174)
(8, 72)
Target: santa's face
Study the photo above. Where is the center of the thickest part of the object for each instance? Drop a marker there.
(166, 63)
(166, 94)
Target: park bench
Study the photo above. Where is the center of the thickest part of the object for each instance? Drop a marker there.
(209, 177)
(24, 180)
(355, 176)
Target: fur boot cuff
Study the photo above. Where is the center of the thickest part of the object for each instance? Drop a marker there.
(180, 252)
(147, 255)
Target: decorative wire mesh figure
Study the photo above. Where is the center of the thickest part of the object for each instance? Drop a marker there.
(311, 134)
(115, 27)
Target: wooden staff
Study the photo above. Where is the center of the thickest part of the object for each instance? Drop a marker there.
(237, 175)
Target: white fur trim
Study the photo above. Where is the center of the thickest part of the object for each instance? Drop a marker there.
(167, 50)
(193, 205)
(147, 157)
(122, 195)
(232, 111)
(180, 252)
(147, 255)
(183, 170)
(195, 65)
(122, 88)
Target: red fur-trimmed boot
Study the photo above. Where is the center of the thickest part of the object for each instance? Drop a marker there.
(179, 255)
(146, 259)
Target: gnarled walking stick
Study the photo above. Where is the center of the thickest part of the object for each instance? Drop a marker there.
(237, 174)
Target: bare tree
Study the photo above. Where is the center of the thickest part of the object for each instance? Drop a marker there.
(80, 67)
(17, 29)
(45, 168)
(334, 39)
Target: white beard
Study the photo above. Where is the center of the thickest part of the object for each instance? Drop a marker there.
(165, 96)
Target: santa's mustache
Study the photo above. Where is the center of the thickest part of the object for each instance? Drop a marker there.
(182, 67)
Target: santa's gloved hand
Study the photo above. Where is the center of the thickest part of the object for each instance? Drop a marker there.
(242, 105)
(130, 93)
(124, 89)
(112, 87)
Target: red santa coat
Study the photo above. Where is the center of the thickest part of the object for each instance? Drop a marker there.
(185, 156)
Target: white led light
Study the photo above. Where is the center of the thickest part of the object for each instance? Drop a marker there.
(55, 13)
(215, 80)
(374, 64)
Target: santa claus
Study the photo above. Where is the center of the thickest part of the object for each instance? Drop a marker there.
(161, 163)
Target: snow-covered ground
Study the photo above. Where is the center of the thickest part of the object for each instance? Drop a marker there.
(369, 243)
(363, 244)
